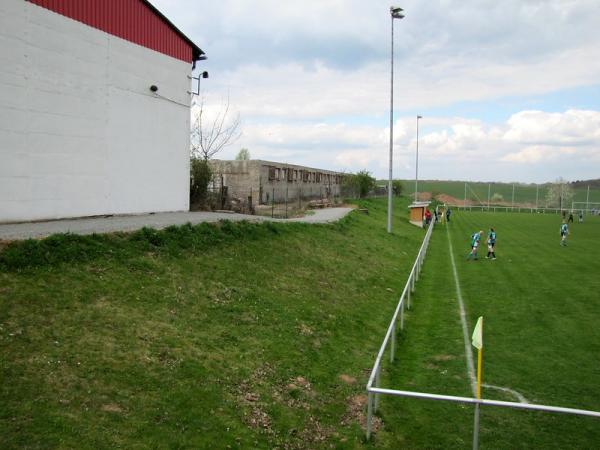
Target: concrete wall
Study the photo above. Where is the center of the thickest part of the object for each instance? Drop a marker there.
(256, 177)
(80, 132)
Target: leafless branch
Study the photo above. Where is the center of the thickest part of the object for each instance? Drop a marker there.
(210, 136)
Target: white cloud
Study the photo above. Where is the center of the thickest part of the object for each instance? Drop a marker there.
(311, 82)
(459, 149)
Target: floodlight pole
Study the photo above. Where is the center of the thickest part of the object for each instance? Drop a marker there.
(513, 197)
(587, 200)
(395, 13)
(417, 164)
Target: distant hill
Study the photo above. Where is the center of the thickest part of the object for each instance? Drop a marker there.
(593, 184)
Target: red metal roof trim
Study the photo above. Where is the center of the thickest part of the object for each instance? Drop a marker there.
(136, 21)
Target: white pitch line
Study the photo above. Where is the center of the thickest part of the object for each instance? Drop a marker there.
(516, 394)
(463, 321)
(465, 328)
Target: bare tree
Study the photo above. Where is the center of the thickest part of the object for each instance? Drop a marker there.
(560, 194)
(209, 135)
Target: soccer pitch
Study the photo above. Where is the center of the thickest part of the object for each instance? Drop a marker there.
(541, 308)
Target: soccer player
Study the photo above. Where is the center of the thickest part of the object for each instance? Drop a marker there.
(564, 231)
(491, 243)
(475, 238)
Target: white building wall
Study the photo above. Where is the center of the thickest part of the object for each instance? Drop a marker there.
(81, 134)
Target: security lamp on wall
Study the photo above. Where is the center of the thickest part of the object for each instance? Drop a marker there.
(202, 75)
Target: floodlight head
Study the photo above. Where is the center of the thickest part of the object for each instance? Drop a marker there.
(205, 74)
(396, 12)
(419, 117)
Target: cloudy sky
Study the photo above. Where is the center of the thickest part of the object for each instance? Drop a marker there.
(508, 91)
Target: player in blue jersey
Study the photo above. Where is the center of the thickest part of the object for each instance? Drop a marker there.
(475, 239)
(564, 231)
(491, 243)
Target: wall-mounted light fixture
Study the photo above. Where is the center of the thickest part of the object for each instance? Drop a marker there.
(154, 88)
(202, 75)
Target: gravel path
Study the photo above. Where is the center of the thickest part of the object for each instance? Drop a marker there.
(18, 231)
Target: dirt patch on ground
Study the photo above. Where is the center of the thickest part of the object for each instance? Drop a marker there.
(112, 408)
(449, 200)
(255, 415)
(443, 357)
(424, 196)
(305, 330)
(453, 201)
(347, 379)
(356, 412)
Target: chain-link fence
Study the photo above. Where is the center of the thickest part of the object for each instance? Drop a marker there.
(548, 195)
(282, 203)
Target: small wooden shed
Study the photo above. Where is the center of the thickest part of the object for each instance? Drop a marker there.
(417, 213)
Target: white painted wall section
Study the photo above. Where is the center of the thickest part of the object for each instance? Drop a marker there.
(81, 134)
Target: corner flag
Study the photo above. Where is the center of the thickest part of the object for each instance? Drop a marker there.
(477, 339)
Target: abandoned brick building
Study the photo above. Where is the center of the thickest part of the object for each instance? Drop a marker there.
(266, 181)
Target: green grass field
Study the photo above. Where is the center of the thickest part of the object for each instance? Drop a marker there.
(263, 336)
(478, 191)
(541, 308)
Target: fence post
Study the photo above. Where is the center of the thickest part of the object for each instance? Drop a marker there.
(286, 201)
(273, 203)
(369, 414)
(393, 348)
(402, 313)
(408, 292)
(476, 428)
(377, 379)
(251, 202)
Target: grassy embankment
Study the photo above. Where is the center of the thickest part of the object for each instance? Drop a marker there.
(241, 335)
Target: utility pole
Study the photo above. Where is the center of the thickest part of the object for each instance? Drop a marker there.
(537, 189)
(417, 164)
(465, 201)
(587, 200)
(489, 189)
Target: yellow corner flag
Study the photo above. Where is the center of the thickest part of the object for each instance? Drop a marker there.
(477, 341)
(477, 338)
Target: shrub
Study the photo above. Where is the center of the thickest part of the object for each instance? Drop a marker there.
(200, 176)
(397, 187)
(497, 197)
(360, 183)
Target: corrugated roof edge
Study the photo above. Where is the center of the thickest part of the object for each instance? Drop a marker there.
(197, 53)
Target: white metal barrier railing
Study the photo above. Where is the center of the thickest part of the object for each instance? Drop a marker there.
(373, 385)
(373, 397)
(527, 209)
